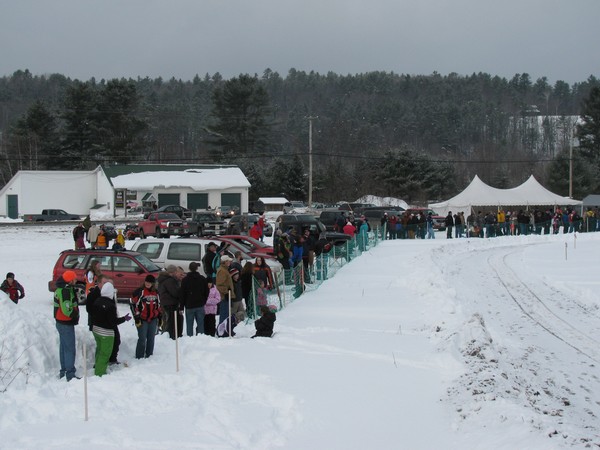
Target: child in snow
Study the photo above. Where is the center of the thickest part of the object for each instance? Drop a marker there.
(264, 325)
(13, 288)
(225, 326)
(261, 295)
(210, 308)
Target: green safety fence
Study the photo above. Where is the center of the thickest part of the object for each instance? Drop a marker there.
(291, 284)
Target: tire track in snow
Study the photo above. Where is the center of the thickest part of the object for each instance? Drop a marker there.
(539, 312)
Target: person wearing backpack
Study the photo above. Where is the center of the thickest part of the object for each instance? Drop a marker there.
(66, 314)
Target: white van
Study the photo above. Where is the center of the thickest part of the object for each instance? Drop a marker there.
(181, 252)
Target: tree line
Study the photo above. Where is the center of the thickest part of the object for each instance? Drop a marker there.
(416, 137)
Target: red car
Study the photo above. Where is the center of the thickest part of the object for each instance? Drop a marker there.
(160, 224)
(126, 268)
(253, 245)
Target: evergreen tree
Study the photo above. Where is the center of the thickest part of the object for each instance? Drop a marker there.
(588, 132)
(119, 130)
(37, 137)
(79, 118)
(240, 109)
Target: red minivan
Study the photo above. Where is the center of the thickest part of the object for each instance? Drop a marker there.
(127, 269)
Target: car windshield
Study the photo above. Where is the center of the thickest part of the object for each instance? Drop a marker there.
(206, 217)
(255, 242)
(148, 265)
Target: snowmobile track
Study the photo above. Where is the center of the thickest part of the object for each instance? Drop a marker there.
(539, 312)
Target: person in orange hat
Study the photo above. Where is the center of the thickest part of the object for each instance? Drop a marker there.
(66, 313)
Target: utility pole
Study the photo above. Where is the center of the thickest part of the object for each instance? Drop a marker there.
(310, 170)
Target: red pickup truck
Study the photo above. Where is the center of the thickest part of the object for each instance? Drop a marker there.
(163, 225)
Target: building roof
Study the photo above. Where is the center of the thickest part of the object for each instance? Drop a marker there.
(273, 200)
(201, 177)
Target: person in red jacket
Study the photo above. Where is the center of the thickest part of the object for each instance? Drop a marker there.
(145, 306)
(349, 229)
(261, 225)
(256, 231)
(13, 288)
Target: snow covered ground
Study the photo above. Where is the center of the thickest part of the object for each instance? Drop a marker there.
(453, 344)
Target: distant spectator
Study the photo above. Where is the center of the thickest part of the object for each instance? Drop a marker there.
(79, 236)
(13, 288)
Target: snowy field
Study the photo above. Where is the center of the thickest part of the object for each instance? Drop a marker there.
(443, 344)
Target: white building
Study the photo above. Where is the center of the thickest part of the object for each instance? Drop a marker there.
(274, 203)
(110, 188)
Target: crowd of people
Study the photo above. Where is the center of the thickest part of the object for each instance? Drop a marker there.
(99, 237)
(491, 223)
(211, 305)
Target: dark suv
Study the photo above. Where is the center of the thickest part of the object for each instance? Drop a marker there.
(329, 217)
(301, 222)
(126, 268)
(182, 212)
(207, 223)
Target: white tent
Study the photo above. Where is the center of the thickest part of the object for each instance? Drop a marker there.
(478, 195)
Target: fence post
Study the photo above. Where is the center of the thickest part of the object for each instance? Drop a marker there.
(85, 390)
(175, 313)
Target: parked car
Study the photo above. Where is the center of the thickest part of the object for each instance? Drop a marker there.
(309, 222)
(374, 215)
(128, 269)
(49, 215)
(227, 211)
(241, 224)
(207, 223)
(329, 217)
(254, 246)
(294, 205)
(139, 210)
(182, 212)
(181, 252)
(160, 224)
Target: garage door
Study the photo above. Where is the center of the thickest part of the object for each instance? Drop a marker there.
(232, 200)
(197, 201)
(168, 199)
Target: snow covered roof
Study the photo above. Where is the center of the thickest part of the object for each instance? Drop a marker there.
(199, 179)
(273, 200)
(477, 193)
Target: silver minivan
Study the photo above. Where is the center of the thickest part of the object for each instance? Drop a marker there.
(181, 252)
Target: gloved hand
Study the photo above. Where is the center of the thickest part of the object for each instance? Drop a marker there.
(127, 317)
(138, 322)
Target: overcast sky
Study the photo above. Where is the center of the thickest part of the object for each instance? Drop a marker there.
(559, 39)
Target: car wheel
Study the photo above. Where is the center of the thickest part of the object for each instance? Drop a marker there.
(142, 235)
(157, 233)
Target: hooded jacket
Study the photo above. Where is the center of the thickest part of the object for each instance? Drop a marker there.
(264, 325)
(169, 290)
(194, 290)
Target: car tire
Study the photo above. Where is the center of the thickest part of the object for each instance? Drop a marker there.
(142, 235)
(157, 233)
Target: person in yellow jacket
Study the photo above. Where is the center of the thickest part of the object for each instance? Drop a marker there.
(501, 217)
(119, 241)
